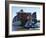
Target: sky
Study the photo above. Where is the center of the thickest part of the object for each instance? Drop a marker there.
(26, 9)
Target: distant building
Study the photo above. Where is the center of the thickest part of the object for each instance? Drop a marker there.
(23, 15)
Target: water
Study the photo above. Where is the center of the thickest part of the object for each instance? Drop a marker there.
(18, 27)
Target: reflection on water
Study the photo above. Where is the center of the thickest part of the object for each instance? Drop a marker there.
(20, 28)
